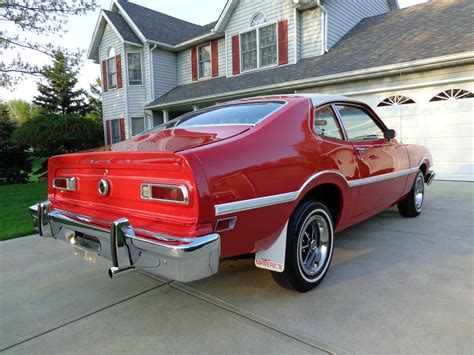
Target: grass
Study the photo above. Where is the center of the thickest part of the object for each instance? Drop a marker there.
(15, 220)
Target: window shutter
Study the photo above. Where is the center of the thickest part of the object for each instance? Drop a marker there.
(215, 58)
(235, 55)
(107, 132)
(282, 42)
(194, 66)
(104, 75)
(122, 128)
(118, 62)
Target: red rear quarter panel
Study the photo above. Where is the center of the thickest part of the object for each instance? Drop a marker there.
(276, 156)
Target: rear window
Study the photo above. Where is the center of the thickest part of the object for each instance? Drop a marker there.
(234, 114)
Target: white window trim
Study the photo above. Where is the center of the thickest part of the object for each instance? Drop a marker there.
(210, 61)
(256, 28)
(141, 68)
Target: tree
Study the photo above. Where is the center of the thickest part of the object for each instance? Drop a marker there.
(94, 101)
(57, 93)
(21, 110)
(15, 164)
(34, 19)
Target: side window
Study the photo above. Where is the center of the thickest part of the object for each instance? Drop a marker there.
(358, 124)
(325, 123)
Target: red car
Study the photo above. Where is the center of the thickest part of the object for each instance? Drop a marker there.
(268, 177)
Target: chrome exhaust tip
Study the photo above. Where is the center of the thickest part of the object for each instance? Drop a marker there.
(116, 270)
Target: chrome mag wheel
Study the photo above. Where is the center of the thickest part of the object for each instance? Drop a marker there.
(313, 244)
(419, 192)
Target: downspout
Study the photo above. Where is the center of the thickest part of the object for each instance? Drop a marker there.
(325, 25)
(152, 82)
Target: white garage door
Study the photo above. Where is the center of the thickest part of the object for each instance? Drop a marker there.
(445, 127)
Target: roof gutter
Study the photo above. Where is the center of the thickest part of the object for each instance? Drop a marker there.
(406, 67)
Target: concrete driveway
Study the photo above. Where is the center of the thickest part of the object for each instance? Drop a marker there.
(396, 285)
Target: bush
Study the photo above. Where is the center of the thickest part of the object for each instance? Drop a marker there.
(53, 134)
(15, 162)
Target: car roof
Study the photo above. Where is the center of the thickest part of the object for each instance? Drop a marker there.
(317, 99)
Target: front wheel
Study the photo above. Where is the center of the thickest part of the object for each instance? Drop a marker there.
(309, 247)
(413, 203)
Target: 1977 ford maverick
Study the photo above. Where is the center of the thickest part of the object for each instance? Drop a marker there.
(269, 177)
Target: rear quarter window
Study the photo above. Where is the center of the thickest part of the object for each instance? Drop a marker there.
(233, 114)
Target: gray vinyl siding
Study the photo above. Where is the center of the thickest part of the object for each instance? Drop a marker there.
(183, 63)
(343, 15)
(164, 71)
(221, 52)
(310, 33)
(183, 60)
(113, 100)
(273, 10)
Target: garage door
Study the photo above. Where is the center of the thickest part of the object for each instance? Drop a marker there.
(440, 120)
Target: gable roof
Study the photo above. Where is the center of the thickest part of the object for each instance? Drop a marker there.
(118, 24)
(158, 27)
(122, 27)
(421, 32)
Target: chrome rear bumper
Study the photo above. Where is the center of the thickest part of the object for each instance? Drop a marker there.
(180, 259)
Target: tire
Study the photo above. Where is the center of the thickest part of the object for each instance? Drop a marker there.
(413, 203)
(310, 238)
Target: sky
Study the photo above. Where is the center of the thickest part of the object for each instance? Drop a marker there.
(80, 29)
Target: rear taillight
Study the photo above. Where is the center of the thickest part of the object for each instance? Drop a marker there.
(65, 183)
(165, 193)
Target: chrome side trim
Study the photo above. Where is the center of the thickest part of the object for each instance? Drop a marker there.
(244, 205)
(379, 178)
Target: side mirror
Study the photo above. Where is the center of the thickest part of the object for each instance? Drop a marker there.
(389, 134)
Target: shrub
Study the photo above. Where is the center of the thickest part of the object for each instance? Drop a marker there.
(53, 134)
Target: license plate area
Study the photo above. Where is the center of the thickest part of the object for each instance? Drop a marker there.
(86, 247)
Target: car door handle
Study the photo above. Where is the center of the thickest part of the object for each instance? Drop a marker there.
(361, 150)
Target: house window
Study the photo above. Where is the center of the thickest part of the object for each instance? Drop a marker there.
(259, 47)
(112, 69)
(268, 45)
(396, 100)
(134, 69)
(249, 50)
(138, 125)
(258, 19)
(205, 61)
(453, 94)
(114, 131)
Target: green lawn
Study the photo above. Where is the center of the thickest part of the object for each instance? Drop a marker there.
(15, 200)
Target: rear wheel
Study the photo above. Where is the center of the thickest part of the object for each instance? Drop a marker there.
(413, 203)
(309, 247)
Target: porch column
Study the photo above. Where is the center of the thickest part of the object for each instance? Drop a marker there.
(165, 115)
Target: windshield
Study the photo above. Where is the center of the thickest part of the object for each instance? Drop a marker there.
(233, 114)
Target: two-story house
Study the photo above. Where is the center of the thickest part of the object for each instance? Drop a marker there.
(413, 65)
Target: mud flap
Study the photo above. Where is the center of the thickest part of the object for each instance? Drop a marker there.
(273, 258)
